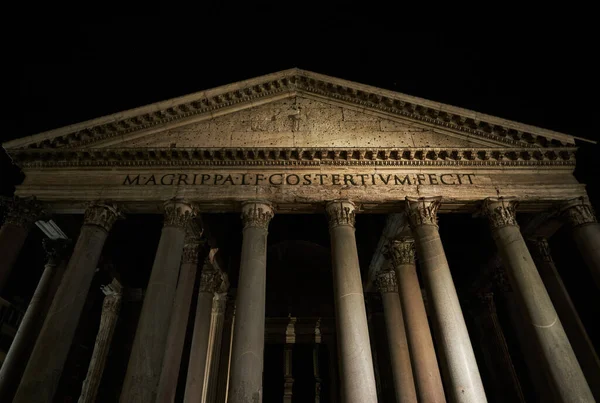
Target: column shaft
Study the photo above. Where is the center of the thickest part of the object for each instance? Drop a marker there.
(404, 384)
(453, 338)
(424, 362)
(214, 345)
(558, 357)
(167, 384)
(586, 234)
(146, 359)
(22, 344)
(108, 321)
(46, 362)
(249, 332)
(355, 359)
(224, 367)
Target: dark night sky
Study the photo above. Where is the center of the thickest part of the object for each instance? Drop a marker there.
(67, 71)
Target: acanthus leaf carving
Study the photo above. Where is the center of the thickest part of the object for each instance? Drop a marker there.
(257, 214)
(341, 212)
(102, 215)
(422, 211)
(386, 281)
(501, 212)
(178, 213)
(401, 251)
(579, 212)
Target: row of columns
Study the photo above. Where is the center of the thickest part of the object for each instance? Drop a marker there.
(146, 377)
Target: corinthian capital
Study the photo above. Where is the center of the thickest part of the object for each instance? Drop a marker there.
(257, 214)
(501, 212)
(191, 247)
(22, 212)
(422, 210)
(113, 294)
(209, 278)
(56, 249)
(401, 251)
(178, 213)
(341, 212)
(102, 215)
(578, 212)
(386, 281)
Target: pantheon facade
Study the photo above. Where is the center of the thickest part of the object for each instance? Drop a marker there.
(281, 239)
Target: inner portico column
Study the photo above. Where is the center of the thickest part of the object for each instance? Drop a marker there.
(404, 383)
(146, 359)
(586, 233)
(19, 218)
(249, 329)
(559, 361)
(424, 362)
(45, 365)
(355, 360)
(465, 384)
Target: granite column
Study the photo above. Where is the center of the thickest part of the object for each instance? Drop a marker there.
(108, 322)
(355, 359)
(464, 380)
(46, 362)
(146, 359)
(404, 383)
(169, 375)
(249, 331)
(424, 362)
(559, 361)
(586, 233)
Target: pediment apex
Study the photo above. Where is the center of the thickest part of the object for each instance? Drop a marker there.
(289, 83)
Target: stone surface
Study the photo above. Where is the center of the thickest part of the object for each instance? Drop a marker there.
(454, 345)
(45, 365)
(146, 359)
(215, 342)
(355, 360)
(558, 359)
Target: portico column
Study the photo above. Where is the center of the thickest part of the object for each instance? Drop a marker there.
(559, 361)
(147, 353)
(586, 233)
(404, 383)
(45, 365)
(249, 330)
(215, 340)
(169, 375)
(196, 374)
(19, 218)
(465, 384)
(355, 360)
(22, 344)
(108, 321)
(424, 362)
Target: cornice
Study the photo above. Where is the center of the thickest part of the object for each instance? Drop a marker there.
(480, 157)
(292, 82)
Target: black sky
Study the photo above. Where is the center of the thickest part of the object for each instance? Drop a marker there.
(541, 72)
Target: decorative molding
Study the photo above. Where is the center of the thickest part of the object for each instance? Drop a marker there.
(257, 214)
(579, 212)
(102, 215)
(386, 281)
(341, 212)
(292, 83)
(178, 213)
(56, 250)
(422, 211)
(401, 251)
(21, 211)
(142, 157)
(501, 212)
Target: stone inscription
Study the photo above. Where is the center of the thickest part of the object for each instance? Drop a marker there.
(291, 179)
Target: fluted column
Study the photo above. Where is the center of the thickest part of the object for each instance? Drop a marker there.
(167, 384)
(22, 344)
(146, 359)
(215, 340)
(581, 343)
(249, 332)
(196, 374)
(465, 384)
(46, 362)
(19, 218)
(108, 321)
(585, 230)
(355, 359)
(558, 356)
(404, 383)
(424, 362)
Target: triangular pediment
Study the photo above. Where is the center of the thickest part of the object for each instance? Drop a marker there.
(294, 108)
